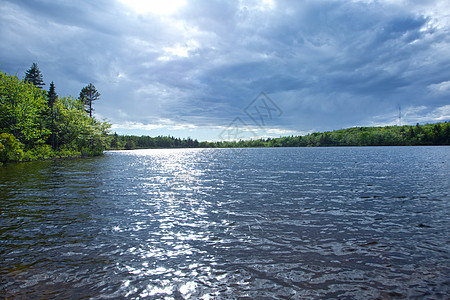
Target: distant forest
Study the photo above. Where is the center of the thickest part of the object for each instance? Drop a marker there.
(428, 134)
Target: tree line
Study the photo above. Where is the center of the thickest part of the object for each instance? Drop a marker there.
(38, 124)
(129, 142)
(407, 135)
(428, 134)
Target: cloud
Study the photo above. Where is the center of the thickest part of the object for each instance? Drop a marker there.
(327, 64)
(424, 115)
(163, 124)
(412, 115)
(442, 87)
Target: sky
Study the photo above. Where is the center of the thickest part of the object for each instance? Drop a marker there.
(225, 70)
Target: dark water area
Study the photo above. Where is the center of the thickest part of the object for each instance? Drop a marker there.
(267, 223)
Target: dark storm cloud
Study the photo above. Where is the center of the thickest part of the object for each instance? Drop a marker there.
(327, 64)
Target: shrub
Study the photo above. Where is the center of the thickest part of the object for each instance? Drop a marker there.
(41, 152)
(68, 153)
(10, 148)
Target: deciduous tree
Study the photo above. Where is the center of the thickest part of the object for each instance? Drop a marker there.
(21, 106)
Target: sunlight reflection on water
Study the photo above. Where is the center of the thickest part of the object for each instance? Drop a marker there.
(214, 223)
(174, 172)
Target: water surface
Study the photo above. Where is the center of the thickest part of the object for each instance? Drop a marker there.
(292, 223)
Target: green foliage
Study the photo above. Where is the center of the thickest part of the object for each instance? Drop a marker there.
(429, 134)
(45, 152)
(88, 94)
(142, 142)
(51, 99)
(114, 144)
(21, 108)
(34, 76)
(44, 125)
(41, 152)
(76, 130)
(51, 95)
(10, 148)
(67, 153)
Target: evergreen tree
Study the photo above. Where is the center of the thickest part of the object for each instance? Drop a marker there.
(34, 76)
(51, 98)
(88, 94)
(115, 141)
(51, 95)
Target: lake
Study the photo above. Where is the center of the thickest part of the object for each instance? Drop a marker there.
(284, 223)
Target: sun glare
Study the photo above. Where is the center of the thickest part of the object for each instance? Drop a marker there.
(158, 7)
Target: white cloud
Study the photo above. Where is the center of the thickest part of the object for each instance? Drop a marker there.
(179, 50)
(412, 115)
(442, 87)
(162, 123)
(157, 7)
(439, 114)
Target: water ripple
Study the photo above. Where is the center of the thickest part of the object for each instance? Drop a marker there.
(357, 223)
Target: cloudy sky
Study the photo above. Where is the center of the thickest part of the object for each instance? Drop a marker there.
(209, 68)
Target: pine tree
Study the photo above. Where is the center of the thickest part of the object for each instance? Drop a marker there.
(88, 94)
(51, 98)
(51, 95)
(115, 141)
(34, 76)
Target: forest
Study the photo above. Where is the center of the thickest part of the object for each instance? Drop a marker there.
(407, 135)
(36, 124)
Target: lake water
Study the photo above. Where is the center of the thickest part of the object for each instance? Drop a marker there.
(284, 223)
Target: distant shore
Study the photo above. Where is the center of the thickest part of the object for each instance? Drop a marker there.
(437, 134)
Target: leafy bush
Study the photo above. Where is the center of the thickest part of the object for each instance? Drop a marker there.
(67, 153)
(10, 148)
(41, 152)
